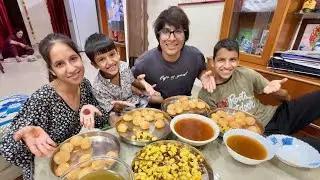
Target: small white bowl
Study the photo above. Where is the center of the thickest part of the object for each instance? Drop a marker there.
(270, 147)
(212, 124)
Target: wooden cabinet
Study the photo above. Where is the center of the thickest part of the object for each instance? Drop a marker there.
(271, 31)
(268, 31)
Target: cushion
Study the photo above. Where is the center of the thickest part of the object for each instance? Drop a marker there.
(9, 107)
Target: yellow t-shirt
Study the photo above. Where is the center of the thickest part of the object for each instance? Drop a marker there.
(238, 93)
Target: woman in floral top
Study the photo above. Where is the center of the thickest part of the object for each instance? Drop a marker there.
(54, 112)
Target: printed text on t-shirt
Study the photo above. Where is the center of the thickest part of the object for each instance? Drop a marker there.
(173, 77)
(241, 102)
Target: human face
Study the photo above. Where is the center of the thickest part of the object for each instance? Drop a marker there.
(224, 64)
(108, 63)
(171, 42)
(66, 64)
(19, 34)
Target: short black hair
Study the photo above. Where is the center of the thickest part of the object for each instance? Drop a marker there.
(229, 44)
(17, 30)
(173, 16)
(98, 44)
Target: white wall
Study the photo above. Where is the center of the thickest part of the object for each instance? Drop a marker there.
(205, 20)
(82, 20)
(39, 17)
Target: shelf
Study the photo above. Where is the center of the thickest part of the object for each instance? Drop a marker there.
(297, 77)
(243, 12)
(120, 44)
(310, 15)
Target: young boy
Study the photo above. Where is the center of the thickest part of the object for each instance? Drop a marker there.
(173, 66)
(114, 84)
(236, 86)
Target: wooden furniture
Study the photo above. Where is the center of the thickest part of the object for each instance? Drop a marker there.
(103, 17)
(281, 25)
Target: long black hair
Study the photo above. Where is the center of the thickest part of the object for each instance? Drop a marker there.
(46, 45)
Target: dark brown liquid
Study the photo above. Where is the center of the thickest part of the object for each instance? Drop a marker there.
(247, 147)
(194, 129)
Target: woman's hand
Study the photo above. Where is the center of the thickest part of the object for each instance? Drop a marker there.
(87, 114)
(37, 140)
(148, 88)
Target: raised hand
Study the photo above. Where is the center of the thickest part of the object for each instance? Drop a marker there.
(149, 89)
(37, 140)
(208, 82)
(87, 114)
(274, 86)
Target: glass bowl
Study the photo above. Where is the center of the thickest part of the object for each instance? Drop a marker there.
(99, 167)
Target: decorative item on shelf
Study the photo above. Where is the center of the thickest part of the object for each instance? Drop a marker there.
(188, 2)
(308, 37)
(259, 5)
(309, 6)
(116, 19)
(246, 38)
(262, 42)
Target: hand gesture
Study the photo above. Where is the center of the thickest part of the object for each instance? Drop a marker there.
(87, 114)
(208, 82)
(23, 45)
(118, 106)
(149, 89)
(274, 86)
(37, 140)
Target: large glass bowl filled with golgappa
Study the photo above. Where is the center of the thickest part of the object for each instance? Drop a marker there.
(100, 168)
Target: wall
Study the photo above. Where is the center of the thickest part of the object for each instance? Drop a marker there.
(205, 20)
(39, 17)
(82, 21)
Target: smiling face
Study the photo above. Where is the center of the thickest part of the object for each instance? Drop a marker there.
(66, 64)
(19, 34)
(224, 64)
(108, 63)
(171, 43)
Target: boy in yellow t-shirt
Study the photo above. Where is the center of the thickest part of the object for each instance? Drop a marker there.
(236, 86)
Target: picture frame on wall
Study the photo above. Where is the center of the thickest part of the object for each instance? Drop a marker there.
(308, 36)
(188, 2)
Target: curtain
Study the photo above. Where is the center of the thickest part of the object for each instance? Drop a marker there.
(5, 24)
(58, 17)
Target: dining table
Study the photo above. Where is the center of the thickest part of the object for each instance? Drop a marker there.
(222, 163)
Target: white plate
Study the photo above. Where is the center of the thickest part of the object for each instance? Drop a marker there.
(295, 152)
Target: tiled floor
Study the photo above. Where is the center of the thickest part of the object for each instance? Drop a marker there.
(26, 77)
